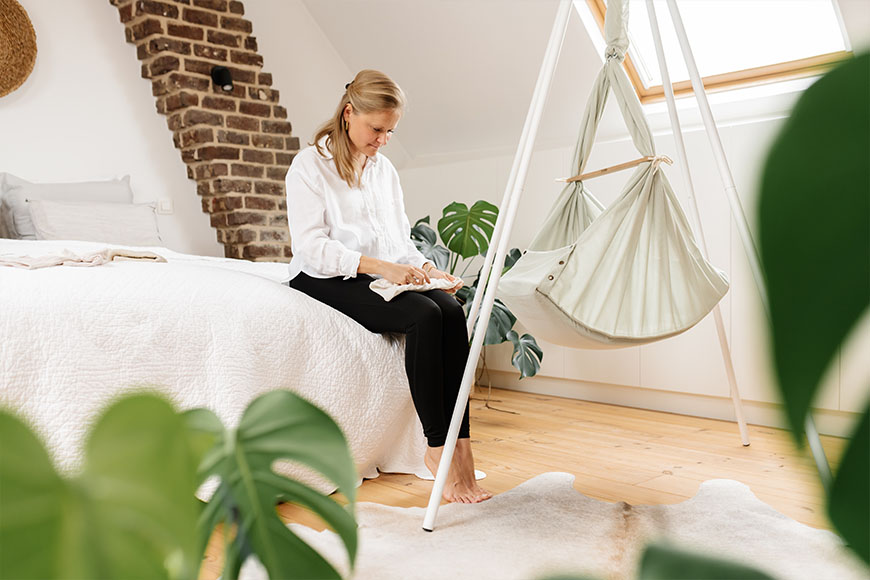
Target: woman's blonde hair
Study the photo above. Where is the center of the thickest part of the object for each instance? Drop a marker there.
(370, 91)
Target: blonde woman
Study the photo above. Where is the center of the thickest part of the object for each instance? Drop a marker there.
(348, 225)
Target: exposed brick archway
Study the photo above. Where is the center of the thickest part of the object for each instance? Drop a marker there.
(237, 145)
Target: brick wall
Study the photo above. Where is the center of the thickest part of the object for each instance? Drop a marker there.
(237, 145)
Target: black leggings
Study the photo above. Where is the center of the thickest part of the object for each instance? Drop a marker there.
(436, 341)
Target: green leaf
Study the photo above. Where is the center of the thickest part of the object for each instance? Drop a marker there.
(510, 259)
(426, 240)
(848, 498)
(278, 426)
(141, 471)
(661, 562)
(466, 296)
(32, 497)
(130, 514)
(815, 231)
(467, 232)
(501, 319)
(500, 323)
(527, 355)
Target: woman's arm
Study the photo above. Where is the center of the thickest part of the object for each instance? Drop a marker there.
(308, 230)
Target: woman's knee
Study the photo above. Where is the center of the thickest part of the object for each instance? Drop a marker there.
(425, 314)
(452, 312)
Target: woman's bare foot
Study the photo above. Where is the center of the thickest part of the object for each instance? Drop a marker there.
(461, 486)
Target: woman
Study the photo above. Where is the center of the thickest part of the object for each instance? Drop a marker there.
(347, 226)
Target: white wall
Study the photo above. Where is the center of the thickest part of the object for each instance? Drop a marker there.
(86, 114)
(305, 66)
(684, 374)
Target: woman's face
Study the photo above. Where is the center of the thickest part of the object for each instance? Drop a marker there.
(369, 132)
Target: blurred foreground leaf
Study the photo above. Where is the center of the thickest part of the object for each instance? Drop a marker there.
(130, 514)
(276, 426)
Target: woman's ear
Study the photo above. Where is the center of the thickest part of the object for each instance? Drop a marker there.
(348, 109)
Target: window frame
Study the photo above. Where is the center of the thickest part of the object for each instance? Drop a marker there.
(783, 71)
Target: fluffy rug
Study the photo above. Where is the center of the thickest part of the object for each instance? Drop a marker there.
(544, 527)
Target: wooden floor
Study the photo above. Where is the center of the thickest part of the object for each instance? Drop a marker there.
(616, 454)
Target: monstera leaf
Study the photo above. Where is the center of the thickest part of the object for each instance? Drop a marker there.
(815, 249)
(527, 355)
(501, 320)
(510, 259)
(131, 513)
(816, 252)
(467, 231)
(500, 323)
(276, 426)
(426, 240)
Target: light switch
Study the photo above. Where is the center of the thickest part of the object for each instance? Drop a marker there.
(164, 206)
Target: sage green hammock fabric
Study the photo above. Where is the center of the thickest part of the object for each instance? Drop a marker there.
(621, 276)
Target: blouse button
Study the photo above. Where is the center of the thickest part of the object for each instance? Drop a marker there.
(549, 277)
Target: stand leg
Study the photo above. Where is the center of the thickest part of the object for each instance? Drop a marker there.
(737, 208)
(732, 377)
(818, 453)
(489, 284)
(693, 203)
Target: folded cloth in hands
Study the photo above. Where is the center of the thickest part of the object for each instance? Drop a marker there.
(67, 258)
(388, 290)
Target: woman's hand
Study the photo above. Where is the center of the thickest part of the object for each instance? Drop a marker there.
(403, 273)
(435, 273)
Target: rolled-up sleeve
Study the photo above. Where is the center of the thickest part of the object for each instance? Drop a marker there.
(309, 232)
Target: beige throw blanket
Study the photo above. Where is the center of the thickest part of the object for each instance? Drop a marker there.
(68, 258)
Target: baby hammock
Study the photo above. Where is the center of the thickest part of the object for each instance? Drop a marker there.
(622, 276)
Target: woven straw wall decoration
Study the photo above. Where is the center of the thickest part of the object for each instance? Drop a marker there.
(17, 46)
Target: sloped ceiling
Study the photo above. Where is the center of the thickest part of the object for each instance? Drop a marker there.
(469, 68)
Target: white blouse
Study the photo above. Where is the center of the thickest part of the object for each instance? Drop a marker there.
(332, 225)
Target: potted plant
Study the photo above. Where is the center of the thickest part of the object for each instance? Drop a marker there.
(466, 233)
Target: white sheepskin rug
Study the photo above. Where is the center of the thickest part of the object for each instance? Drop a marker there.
(544, 527)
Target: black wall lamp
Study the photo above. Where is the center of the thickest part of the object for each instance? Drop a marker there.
(221, 76)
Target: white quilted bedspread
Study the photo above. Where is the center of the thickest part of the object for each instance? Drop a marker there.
(206, 332)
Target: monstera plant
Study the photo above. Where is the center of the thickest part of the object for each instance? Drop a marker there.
(814, 224)
(132, 513)
(466, 233)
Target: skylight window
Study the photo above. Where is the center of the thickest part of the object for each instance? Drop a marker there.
(735, 42)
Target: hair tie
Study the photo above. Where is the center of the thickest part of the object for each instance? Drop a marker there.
(347, 86)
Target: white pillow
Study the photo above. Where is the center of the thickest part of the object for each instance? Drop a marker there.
(126, 224)
(16, 191)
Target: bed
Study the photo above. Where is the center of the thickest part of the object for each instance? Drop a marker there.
(205, 332)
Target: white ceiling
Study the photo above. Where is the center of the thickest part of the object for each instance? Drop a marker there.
(469, 69)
